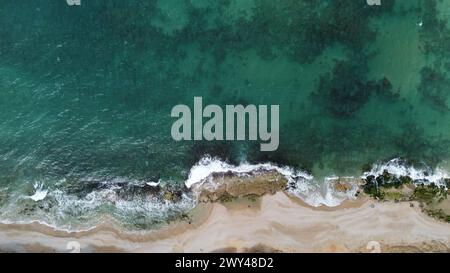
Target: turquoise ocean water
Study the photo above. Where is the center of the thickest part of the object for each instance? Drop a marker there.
(86, 93)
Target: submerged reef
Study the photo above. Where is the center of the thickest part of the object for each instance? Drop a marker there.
(302, 30)
(86, 92)
(206, 47)
(435, 37)
(346, 90)
(434, 88)
(435, 34)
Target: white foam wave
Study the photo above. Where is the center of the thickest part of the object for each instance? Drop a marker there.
(323, 193)
(208, 166)
(46, 224)
(301, 184)
(40, 193)
(153, 184)
(398, 168)
(97, 202)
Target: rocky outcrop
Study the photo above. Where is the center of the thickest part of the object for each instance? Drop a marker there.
(346, 184)
(227, 186)
(431, 197)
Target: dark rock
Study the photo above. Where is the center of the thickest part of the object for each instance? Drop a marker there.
(132, 190)
(386, 176)
(405, 179)
(447, 182)
(172, 194)
(252, 185)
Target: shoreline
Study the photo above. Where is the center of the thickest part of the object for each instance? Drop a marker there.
(271, 223)
(266, 208)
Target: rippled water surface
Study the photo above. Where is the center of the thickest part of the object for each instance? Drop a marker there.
(86, 93)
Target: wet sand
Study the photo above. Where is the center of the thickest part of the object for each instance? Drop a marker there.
(271, 223)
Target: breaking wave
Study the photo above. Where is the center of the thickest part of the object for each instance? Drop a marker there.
(399, 167)
(300, 184)
(144, 204)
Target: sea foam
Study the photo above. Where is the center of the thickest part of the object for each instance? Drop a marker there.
(399, 167)
(300, 183)
(40, 193)
(313, 191)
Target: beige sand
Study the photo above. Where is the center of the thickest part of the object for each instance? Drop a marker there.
(274, 223)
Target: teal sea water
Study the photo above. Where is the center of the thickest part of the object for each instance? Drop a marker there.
(86, 93)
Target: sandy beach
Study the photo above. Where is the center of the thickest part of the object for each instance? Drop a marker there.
(225, 126)
(273, 223)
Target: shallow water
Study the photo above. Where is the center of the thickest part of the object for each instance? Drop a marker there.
(86, 94)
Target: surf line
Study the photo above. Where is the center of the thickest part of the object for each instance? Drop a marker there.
(236, 118)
